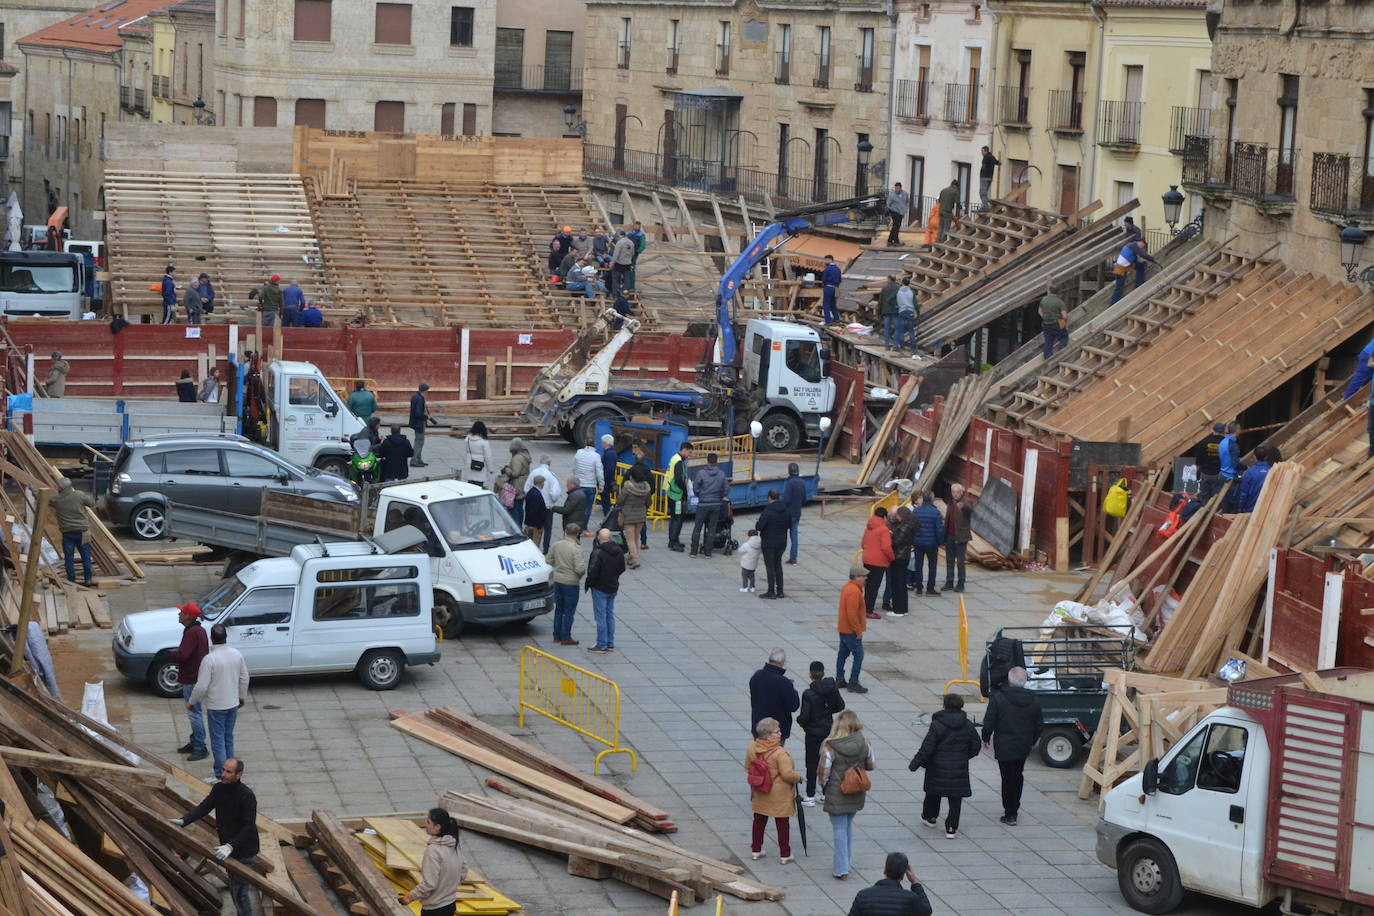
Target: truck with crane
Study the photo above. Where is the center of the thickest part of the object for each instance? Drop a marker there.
(779, 377)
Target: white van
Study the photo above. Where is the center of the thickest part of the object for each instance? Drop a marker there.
(344, 606)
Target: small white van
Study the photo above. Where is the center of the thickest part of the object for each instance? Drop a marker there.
(334, 607)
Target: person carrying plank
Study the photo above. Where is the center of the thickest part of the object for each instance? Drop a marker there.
(236, 815)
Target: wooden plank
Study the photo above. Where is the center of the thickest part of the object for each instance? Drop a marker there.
(87, 769)
(354, 863)
(306, 881)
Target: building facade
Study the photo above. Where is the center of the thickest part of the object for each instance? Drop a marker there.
(184, 63)
(760, 97)
(423, 67)
(538, 67)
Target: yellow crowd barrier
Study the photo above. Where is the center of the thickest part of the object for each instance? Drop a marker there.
(723, 446)
(584, 701)
(963, 652)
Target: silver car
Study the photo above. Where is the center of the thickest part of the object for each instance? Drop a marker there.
(227, 473)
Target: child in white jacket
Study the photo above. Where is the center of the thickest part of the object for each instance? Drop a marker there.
(749, 553)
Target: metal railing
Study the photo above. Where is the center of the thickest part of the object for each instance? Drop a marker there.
(913, 99)
(1118, 123)
(1342, 184)
(782, 72)
(537, 78)
(1185, 123)
(1013, 106)
(822, 80)
(583, 700)
(673, 55)
(1262, 172)
(1205, 164)
(622, 55)
(961, 103)
(722, 60)
(162, 87)
(865, 70)
(1066, 111)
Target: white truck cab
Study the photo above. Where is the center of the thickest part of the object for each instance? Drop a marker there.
(484, 569)
(785, 363)
(324, 608)
(308, 423)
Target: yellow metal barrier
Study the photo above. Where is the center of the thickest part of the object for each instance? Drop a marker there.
(963, 652)
(724, 446)
(584, 701)
(658, 499)
(343, 387)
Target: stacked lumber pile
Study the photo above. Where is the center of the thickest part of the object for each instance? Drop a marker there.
(172, 554)
(965, 399)
(474, 740)
(397, 846)
(884, 450)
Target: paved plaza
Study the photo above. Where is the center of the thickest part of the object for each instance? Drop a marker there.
(686, 644)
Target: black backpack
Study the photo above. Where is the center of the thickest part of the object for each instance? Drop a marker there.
(1003, 654)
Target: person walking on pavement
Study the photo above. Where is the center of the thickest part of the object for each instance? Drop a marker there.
(1013, 724)
(622, 261)
(712, 487)
(419, 419)
(898, 206)
(902, 530)
(394, 453)
(950, 743)
(604, 568)
(887, 310)
(852, 623)
(442, 868)
(569, 566)
(877, 557)
(477, 469)
(675, 488)
(361, 402)
(930, 531)
(830, 290)
(949, 208)
(193, 304)
(188, 656)
(794, 498)
(634, 509)
(958, 532)
(169, 295)
(986, 167)
(773, 695)
(906, 315)
(236, 825)
(587, 467)
(56, 384)
(609, 460)
(843, 750)
(1054, 323)
(750, 552)
(222, 682)
(773, 524)
(770, 784)
(888, 897)
(515, 473)
(69, 505)
(819, 704)
(270, 300)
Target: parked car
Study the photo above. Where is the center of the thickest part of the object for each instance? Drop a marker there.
(210, 472)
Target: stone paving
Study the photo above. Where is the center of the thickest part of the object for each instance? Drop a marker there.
(687, 642)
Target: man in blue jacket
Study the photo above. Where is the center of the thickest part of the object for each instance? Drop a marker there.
(1364, 368)
(1229, 451)
(169, 295)
(830, 287)
(794, 498)
(1253, 480)
(772, 694)
(930, 529)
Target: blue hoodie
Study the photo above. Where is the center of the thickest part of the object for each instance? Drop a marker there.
(1251, 484)
(1229, 450)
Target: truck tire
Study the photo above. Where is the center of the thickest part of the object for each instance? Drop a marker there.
(148, 522)
(1060, 746)
(381, 669)
(333, 464)
(585, 426)
(447, 617)
(162, 676)
(781, 433)
(1148, 877)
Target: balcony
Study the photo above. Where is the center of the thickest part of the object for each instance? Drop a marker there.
(673, 55)
(1206, 167)
(722, 60)
(162, 87)
(1342, 185)
(1261, 172)
(1013, 106)
(622, 55)
(1118, 123)
(1066, 111)
(126, 98)
(141, 100)
(1185, 123)
(913, 100)
(822, 80)
(865, 70)
(782, 71)
(961, 103)
(511, 77)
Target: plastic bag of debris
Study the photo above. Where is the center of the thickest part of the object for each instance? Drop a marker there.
(1065, 610)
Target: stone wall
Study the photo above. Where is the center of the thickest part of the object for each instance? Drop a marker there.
(188, 148)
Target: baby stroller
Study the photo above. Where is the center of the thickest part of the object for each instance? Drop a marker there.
(722, 538)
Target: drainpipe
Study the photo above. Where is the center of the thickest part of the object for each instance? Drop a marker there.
(890, 172)
(993, 53)
(1097, 94)
(66, 150)
(28, 139)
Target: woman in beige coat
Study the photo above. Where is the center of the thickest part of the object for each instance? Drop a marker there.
(441, 870)
(779, 802)
(634, 509)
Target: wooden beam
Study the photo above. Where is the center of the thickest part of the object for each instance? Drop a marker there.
(362, 872)
(21, 635)
(76, 766)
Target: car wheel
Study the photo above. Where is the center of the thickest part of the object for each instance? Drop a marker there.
(1059, 747)
(334, 464)
(148, 522)
(586, 424)
(163, 677)
(381, 670)
(447, 617)
(1148, 877)
(780, 433)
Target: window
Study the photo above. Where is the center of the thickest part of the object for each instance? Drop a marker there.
(820, 167)
(1288, 131)
(469, 119)
(558, 60)
(916, 187)
(306, 392)
(310, 113)
(195, 462)
(367, 602)
(367, 573)
(264, 111)
(393, 24)
(674, 43)
(399, 515)
(784, 131)
(865, 62)
(389, 117)
(1016, 172)
(622, 51)
(963, 173)
(783, 73)
(1367, 168)
(2, 41)
(313, 19)
(446, 119)
(460, 27)
(246, 464)
(261, 607)
(222, 20)
(474, 522)
(723, 50)
(822, 80)
(803, 359)
(243, 18)
(923, 82)
(510, 58)
(1213, 759)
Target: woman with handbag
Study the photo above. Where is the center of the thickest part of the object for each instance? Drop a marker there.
(634, 508)
(772, 776)
(846, 758)
(950, 743)
(479, 470)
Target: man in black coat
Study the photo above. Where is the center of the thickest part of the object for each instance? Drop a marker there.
(1013, 724)
(773, 524)
(604, 568)
(888, 897)
(772, 694)
(819, 704)
(394, 452)
(236, 823)
(950, 743)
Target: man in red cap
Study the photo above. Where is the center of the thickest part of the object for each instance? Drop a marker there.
(188, 656)
(269, 297)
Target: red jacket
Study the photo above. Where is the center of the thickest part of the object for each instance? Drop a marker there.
(192, 651)
(877, 543)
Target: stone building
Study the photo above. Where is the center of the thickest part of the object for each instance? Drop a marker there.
(184, 63)
(1289, 155)
(422, 67)
(741, 97)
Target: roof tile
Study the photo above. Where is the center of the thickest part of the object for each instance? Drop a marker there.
(97, 29)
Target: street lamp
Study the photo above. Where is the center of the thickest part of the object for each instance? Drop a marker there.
(755, 430)
(198, 112)
(574, 126)
(1352, 244)
(820, 443)
(1173, 205)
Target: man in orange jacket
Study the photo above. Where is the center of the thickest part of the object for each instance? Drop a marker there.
(853, 622)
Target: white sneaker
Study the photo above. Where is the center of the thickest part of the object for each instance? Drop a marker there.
(744, 589)
(809, 801)
(753, 588)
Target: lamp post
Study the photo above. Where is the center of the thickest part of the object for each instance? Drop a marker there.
(1352, 245)
(1173, 205)
(574, 126)
(861, 184)
(755, 430)
(198, 113)
(820, 443)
